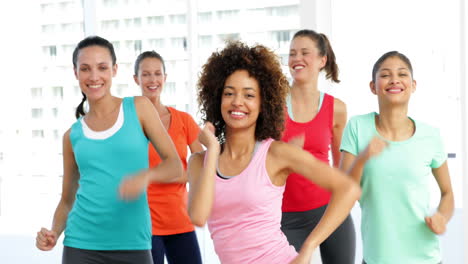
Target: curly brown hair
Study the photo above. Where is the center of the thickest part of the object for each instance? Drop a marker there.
(261, 64)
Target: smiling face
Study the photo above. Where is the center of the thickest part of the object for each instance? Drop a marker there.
(240, 101)
(393, 83)
(305, 61)
(94, 71)
(151, 77)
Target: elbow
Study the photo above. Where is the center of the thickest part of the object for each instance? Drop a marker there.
(354, 191)
(197, 220)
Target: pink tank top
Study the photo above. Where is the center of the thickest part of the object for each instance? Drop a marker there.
(301, 194)
(246, 215)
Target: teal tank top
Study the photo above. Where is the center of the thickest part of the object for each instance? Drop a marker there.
(99, 219)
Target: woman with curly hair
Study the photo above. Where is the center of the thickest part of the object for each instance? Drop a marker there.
(237, 184)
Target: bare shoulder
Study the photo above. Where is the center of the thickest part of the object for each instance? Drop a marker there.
(339, 106)
(141, 101)
(66, 136)
(280, 150)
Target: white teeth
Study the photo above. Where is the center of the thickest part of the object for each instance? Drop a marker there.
(153, 87)
(298, 67)
(95, 86)
(238, 113)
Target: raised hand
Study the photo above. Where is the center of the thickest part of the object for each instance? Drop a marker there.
(207, 136)
(374, 148)
(133, 186)
(302, 258)
(46, 239)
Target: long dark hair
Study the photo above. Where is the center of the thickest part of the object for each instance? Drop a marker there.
(87, 42)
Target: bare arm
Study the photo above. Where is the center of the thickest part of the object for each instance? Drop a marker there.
(438, 222)
(286, 159)
(339, 123)
(194, 148)
(201, 175)
(46, 239)
(170, 168)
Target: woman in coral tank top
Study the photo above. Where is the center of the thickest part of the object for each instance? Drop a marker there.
(237, 184)
(173, 233)
(319, 119)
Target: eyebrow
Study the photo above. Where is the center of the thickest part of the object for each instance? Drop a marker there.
(299, 49)
(387, 69)
(245, 88)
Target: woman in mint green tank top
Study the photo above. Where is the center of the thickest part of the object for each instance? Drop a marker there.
(394, 158)
(103, 209)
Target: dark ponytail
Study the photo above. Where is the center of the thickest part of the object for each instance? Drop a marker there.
(80, 109)
(325, 49)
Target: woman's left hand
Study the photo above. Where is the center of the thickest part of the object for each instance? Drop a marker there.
(133, 186)
(437, 223)
(302, 258)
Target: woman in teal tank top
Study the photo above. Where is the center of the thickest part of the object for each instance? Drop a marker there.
(394, 158)
(103, 208)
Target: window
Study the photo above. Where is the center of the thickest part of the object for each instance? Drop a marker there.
(205, 41)
(116, 45)
(137, 46)
(156, 43)
(134, 46)
(179, 43)
(281, 38)
(205, 17)
(38, 133)
(131, 23)
(56, 134)
(169, 89)
(110, 24)
(36, 92)
(227, 37)
(36, 113)
(177, 19)
(55, 112)
(50, 28)
(110, 3)
(283, 11)
(227, 15)
(50, 51)
(155, 20)
(57, 92)
(67, 50)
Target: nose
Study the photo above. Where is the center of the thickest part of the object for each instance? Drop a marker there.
(94, 76)
(237, 100)
(394, 80)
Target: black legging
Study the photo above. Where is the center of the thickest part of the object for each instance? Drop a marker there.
(83, 256)
(338, 248)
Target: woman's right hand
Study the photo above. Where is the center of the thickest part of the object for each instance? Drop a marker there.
(46, 239)
(375, 147)
(207, 136)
